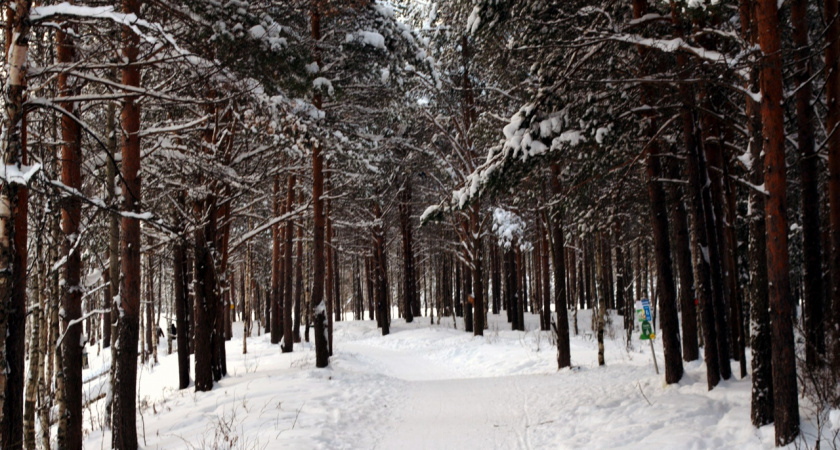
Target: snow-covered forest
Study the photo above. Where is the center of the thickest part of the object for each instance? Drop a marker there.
(420, 224)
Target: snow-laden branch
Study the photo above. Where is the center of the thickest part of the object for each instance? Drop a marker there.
(131, 21)
(78, 321)
(678, 45)
(14, 174)
(173, 128)
(249, 235)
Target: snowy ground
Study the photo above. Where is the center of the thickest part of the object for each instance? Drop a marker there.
(434, 387)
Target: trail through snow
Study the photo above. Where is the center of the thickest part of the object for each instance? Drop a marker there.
(435, 387)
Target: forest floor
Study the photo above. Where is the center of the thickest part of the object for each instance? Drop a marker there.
(435, 387)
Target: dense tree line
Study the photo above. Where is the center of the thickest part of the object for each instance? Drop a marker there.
(291, 164)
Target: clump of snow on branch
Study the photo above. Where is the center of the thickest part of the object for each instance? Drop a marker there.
(371, 38)
(507, 226)
(14, 174)
(525, 138)
(323, 84)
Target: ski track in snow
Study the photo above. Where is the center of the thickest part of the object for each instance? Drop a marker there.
(435, 387)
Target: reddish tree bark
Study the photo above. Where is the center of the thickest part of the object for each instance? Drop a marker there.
(786, 412)
(11, 426)
(832, 121)
(124, 432)
(288, 339)
(13, 153)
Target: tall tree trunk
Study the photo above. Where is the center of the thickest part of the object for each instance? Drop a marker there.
(477, 272)
(762, 375)
(11, 428)
(369, 287)
(13, 208)
(150, 300)
(466, 297)
(124, 433)
(721, 254)
(601, 304)
(620, 280)
(379, 271)
(180, 284)
(564, 355)
(56, 389)
(273, 312)
(358, 308)
(246, 318)
(609, 281)
(298, 277)
(230, 306)
(211, 291)
(35, 372)
(511, 290)
(715, 258)
(786, 412)
(832, 121)
(337, 309)
(329, 295)
(703, 283)
(545, 253)
(682, 251)
(288, 339)
(458, 305)
(664, 267)
(221, 260)
(322, 356)
(537, 279)
(495, 278)
(112, 251)
(408, 252)
(203, 309)
(44, 394)
(662, 244)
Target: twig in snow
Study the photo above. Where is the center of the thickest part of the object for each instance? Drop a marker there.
(296, 415)
(643, 393)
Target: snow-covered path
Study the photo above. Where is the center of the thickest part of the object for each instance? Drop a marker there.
(458, 414)
(444, 401)
(434, 387)
(437, 409)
